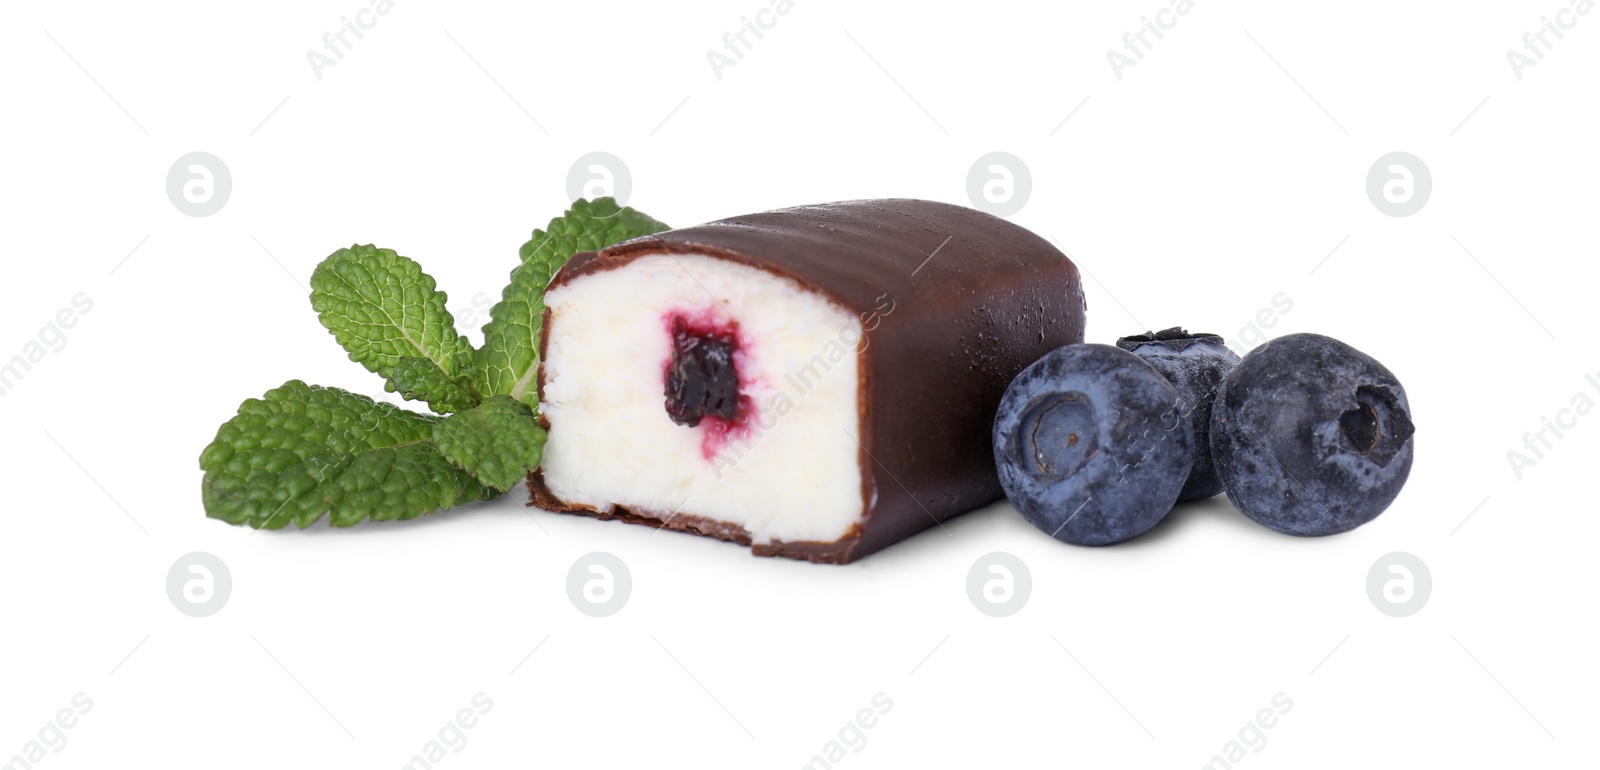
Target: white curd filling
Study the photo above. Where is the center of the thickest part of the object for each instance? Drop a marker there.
(786, 469)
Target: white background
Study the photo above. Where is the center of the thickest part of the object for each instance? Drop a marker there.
(1220, 171)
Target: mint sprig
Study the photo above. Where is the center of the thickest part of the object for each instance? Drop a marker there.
(304, 451)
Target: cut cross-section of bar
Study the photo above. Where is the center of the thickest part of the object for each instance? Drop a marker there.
(698, 387)
(816, 382)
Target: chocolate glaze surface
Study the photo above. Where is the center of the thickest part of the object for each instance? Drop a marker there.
(954, 303)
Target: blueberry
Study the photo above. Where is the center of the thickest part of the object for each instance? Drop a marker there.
(701, 379)
(1195, 364)
(1091, 444)
(1311, 436)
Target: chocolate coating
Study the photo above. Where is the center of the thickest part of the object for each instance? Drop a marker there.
(971, 300)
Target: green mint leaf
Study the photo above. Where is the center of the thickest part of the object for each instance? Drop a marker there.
(510, 354)
(382, 307)
(419, 379)
(302, 450)
(499, 442)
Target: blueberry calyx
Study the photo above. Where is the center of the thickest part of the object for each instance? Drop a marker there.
(1060, 435)
(1377, 427)
(1175, 339)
